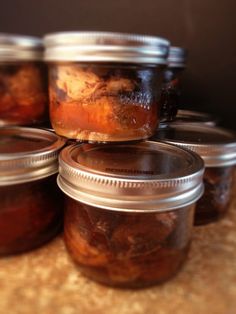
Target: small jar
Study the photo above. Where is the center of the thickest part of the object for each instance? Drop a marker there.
(31, 211)
(23, 81)
(129, 209)
(171, 91)
(217, 147)
(105, 87)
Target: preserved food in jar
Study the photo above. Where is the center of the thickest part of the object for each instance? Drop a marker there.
(30, 215)
(214, 204)
(127, 249)
(103, 103)
(23, 81)
(217, 147)
(125, 222)
(31, 211)
(171, 91)
(110, 94)
(23, 95)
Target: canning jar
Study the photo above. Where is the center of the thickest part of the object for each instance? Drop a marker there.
(129, 209)
(217, 147)
(105, 87)
(171, 91)
(31, 209)
(23, 81)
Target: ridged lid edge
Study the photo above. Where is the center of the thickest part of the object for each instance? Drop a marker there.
(126, 194)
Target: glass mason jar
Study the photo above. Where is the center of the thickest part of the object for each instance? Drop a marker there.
(105, 87)
(217, 147)
(31, 211)
(129, 209)
(23, 81)
(171, 91)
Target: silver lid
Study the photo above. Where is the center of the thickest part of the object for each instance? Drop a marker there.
(105, 47)
(142, 177)
(20, 48)
(27, 154)
(177, 57)
(216, 146)
(195, 117)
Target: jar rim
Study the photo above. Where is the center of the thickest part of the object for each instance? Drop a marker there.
(215, 145)
(177, 57)
(203, 117)
(127, 190)
(14, 47)
(30, 164)
(94, 46)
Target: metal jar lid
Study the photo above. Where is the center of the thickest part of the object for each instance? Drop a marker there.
(27, 154)
(142, 177)
(195, 117)
(177, 57)
(216, 146)
(20, 48)
(105, 47)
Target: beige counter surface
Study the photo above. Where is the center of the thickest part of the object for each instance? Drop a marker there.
(45, 281)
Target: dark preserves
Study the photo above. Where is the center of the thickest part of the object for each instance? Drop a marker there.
(170, 94)
(215, 201)
(129, 209)
(23, 93)
(30, 215)
(127, 249)
(103, 102)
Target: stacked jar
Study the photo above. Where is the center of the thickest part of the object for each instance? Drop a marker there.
(31, 211)
(23, 81)
(105, 87)
(171, 91)
(217, 147)
(129, 204)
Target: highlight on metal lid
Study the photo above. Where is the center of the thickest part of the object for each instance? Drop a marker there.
(106, 47)
(142, 177)
(27, 154)
(215, 145)
(15, 47)
(177, 57)
(196, 117)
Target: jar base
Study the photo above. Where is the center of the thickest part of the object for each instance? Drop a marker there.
(167, 272)
(97, 137)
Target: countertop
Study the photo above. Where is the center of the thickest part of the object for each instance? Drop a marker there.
(46, 281)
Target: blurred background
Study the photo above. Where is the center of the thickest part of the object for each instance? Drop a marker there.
(206, 28)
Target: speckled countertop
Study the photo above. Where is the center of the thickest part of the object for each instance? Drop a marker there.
(45, 281)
